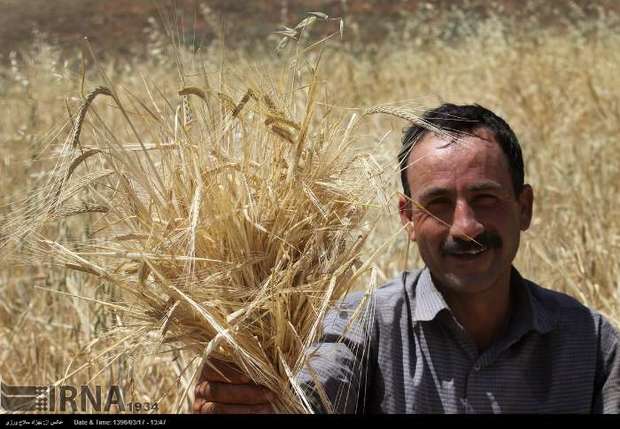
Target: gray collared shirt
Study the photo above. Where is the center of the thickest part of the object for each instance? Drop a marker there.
(408, 354)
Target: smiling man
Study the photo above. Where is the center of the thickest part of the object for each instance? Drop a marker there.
(465, 205)
(465, 334)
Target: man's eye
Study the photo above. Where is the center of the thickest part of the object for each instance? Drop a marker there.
(485, 199)
(438, 202)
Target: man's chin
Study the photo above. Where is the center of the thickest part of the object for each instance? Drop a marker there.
(467, 283)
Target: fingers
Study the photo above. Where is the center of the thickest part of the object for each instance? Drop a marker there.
(202, 406)
(250, 394)
(223, 389)
(222, 372)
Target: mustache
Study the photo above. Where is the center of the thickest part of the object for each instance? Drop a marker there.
(487, 239)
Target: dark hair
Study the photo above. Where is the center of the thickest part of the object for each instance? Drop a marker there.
(465, 119)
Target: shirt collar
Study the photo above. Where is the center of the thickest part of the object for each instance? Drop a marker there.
(428, 300)
(529, 312)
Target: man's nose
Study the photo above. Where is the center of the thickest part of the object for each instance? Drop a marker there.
(464, 222)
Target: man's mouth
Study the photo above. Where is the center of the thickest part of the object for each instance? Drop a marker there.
(469, 253)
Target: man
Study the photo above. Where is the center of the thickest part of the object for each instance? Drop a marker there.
(467, 334)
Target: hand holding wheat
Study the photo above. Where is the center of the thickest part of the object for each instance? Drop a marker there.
(223, 389)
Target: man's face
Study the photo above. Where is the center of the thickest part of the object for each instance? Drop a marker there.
(466, 219)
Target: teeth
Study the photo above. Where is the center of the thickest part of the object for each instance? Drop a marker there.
(472, 251)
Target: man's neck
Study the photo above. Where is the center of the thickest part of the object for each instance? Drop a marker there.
(485, 315)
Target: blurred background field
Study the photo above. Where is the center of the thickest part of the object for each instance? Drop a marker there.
(548, 67)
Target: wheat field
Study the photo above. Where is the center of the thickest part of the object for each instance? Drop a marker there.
(557, 88)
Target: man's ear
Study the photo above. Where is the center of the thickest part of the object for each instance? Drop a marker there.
(406, 215)
(526, 205)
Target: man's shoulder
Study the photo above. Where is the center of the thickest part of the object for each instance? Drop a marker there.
(389, 295)
(568, 312)
(555, 301)
(394, 292)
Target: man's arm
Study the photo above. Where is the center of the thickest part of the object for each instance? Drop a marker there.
(607, 389)
(338, 372)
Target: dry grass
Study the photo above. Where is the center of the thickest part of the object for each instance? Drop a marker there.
(557, 90)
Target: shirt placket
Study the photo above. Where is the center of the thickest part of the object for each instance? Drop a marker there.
(479, 398)
(479, 395)
(475, 362)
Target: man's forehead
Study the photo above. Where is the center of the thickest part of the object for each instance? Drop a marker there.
(439, 151)
(448, 138)
(435, 158)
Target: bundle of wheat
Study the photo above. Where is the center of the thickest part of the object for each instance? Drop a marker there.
(231, 232)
